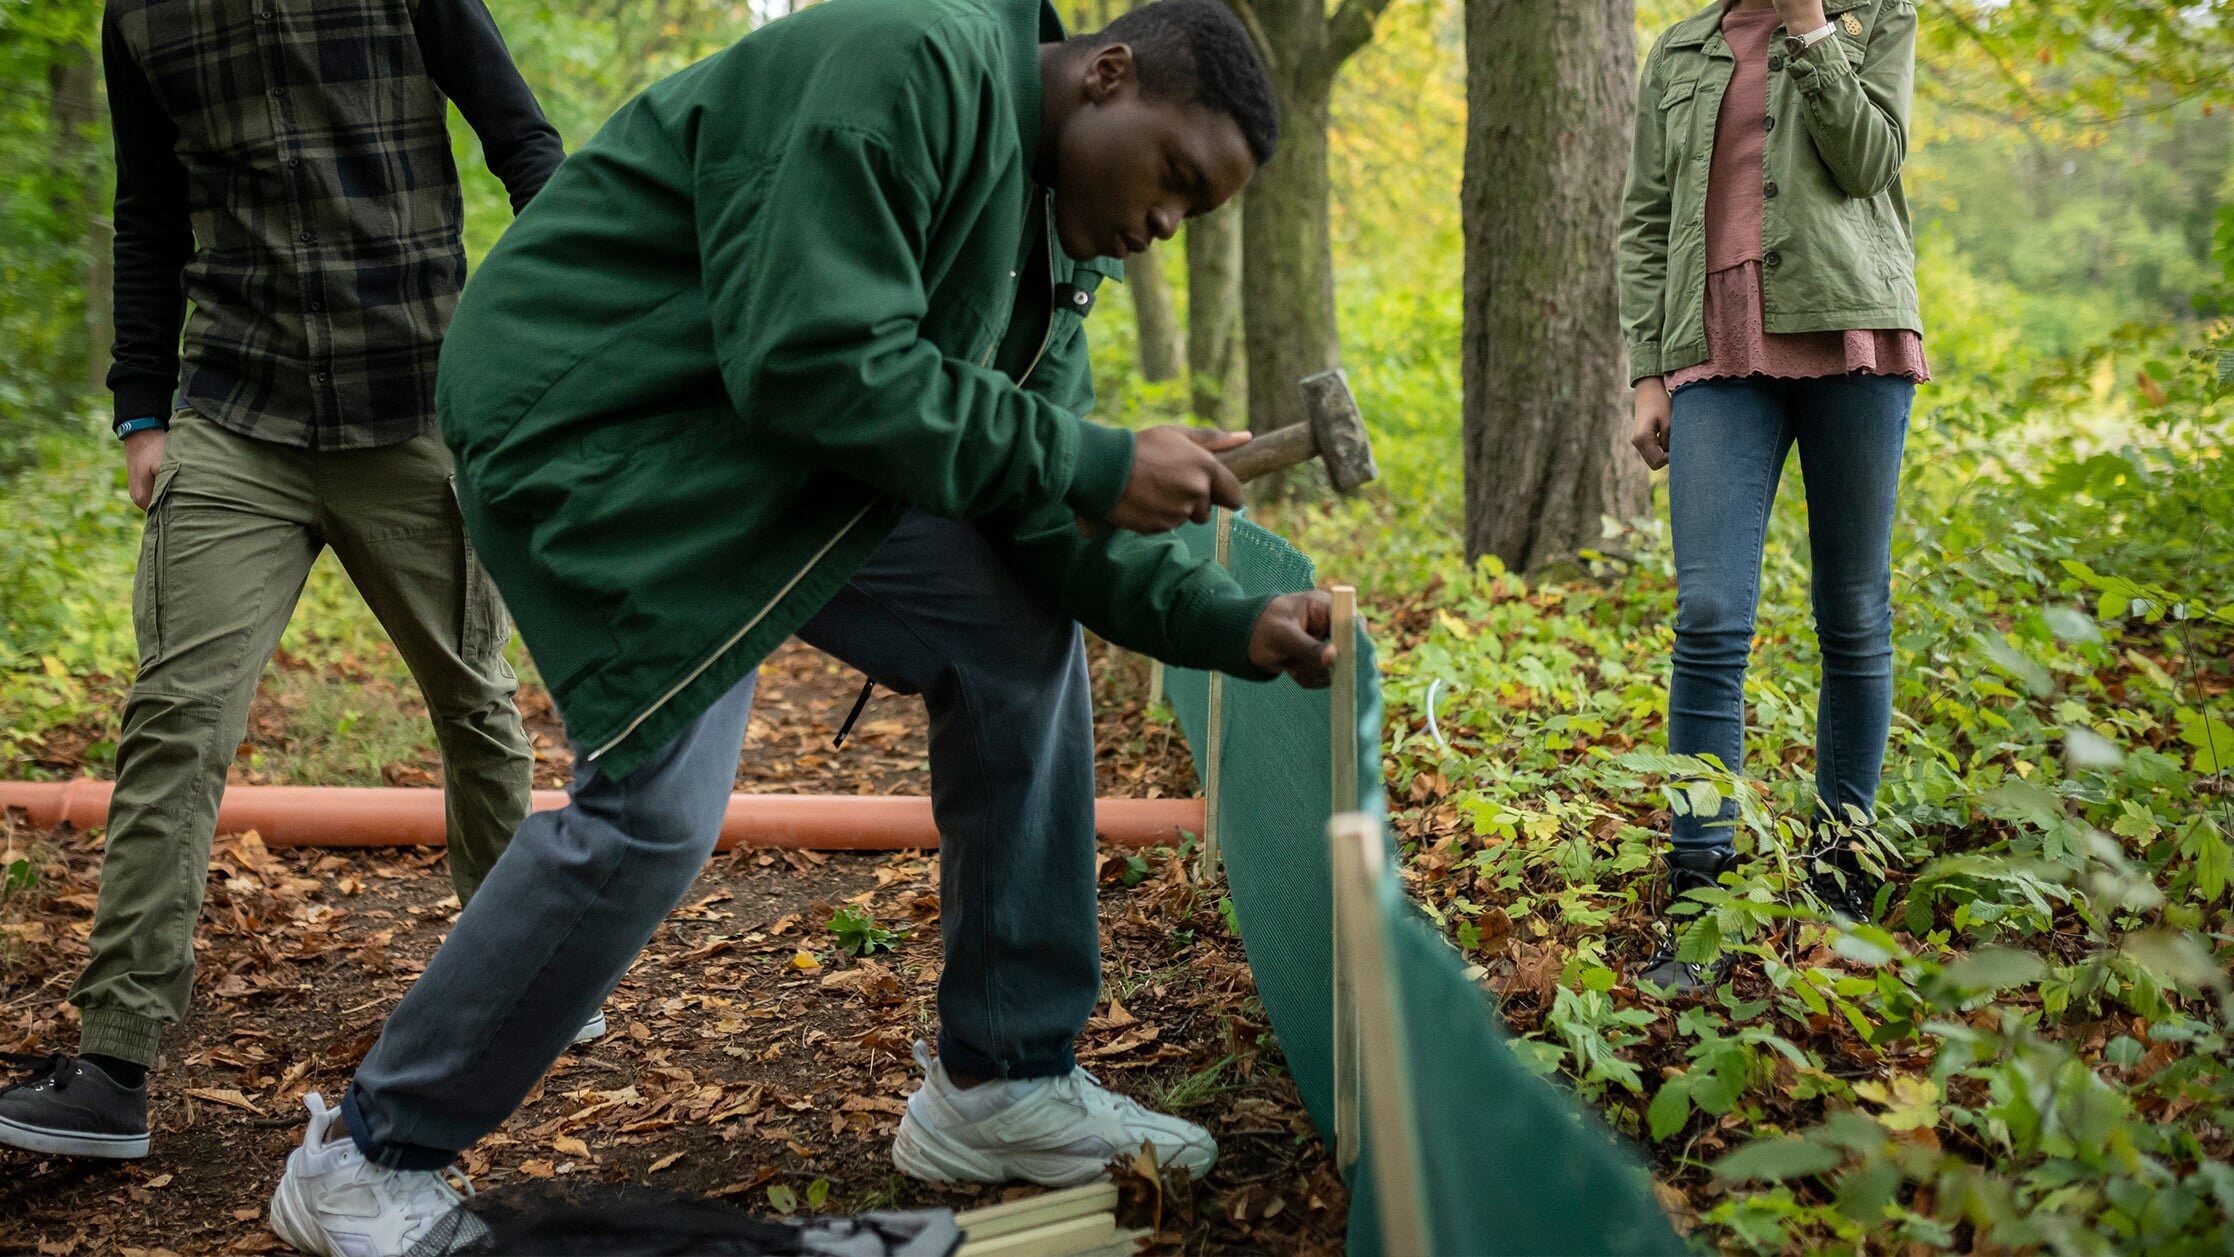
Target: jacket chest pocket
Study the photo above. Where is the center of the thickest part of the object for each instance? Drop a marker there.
(1678, 117)
(1680, 102)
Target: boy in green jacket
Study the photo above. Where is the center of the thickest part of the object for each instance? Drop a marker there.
(794, 345)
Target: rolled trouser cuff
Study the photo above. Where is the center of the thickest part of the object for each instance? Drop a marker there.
(125, 1036)
(394, 1156)
(960, 1059)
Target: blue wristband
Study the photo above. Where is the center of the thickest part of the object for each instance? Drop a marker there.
(130, 426)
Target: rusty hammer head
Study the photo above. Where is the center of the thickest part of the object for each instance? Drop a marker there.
(1340, 429)
(1332, 431)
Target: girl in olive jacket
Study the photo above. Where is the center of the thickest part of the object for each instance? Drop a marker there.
(1768, 297)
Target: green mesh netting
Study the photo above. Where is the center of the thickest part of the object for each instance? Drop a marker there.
(1277, 771)
(1510, 1165)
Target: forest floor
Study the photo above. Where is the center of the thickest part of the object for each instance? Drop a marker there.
(749, 1056)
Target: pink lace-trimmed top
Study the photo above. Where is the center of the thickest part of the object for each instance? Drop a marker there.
(1738, 340)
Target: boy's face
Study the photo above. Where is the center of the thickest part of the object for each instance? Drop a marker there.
(1131, 167)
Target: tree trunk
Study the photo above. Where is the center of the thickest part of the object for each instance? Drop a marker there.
(1216, 360)
(1550, 87)
(1162, 351)
(1288, 291)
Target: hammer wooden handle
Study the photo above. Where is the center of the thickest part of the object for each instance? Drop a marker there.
(1278, 450)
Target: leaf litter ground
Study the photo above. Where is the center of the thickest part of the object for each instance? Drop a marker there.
(748, 1056)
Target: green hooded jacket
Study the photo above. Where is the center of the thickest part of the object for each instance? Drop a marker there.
(1838, 255)
(781, 297)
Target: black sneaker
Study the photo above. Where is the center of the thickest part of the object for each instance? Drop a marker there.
(1687, 871)
(70, 1107)
(1836, 877)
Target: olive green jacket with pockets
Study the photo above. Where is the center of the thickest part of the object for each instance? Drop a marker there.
(781, 297)
(1836, 248)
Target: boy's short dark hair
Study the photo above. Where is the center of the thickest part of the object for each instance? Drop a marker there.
(1197, 51)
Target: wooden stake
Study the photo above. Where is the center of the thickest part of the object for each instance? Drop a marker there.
(1214, 732)
(994, 1221)
(1344, 699)
(1342, 739)
(1381, 1057)
(1078, 1222)
(1346, 1079)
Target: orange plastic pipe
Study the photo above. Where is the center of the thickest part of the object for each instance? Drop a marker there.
(342, 816)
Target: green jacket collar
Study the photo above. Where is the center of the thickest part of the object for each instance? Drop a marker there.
(1027, 24)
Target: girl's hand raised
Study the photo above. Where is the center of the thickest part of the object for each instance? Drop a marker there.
(1801, 16)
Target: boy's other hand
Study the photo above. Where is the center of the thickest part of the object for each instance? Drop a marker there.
(1292, 636)
(143, 454)
(1176, 478)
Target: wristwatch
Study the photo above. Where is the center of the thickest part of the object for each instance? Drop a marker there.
(129, 427)
(1794, 45)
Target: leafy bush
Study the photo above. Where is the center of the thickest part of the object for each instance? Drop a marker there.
(2032, 1051)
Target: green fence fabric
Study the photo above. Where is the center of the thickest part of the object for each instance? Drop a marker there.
(1509, 1163)
(1275, 786)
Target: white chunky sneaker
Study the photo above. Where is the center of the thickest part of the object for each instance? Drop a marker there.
(334, 1203)
(592, 1029)
(1057, 1132)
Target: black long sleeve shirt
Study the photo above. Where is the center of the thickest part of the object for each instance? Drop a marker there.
(284, 165)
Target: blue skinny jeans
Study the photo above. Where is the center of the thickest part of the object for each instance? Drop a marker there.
(1727, 445)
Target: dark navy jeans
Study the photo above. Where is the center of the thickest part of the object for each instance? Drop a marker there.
(1727, 446)
(579, 891)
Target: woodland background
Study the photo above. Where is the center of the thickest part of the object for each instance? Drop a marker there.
(2031, 1053)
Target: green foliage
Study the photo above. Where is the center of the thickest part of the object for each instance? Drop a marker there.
(859, 934)
(67, 538)
(2078, 62)
(2032, 1048)
(2030, 1051)
(54, 194)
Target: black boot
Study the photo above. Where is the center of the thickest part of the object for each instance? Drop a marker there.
(1836, 877)
(1687, 871)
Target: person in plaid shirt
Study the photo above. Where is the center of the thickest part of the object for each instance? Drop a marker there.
(284, 169)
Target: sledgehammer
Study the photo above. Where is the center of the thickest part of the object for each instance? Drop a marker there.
(1334, 432)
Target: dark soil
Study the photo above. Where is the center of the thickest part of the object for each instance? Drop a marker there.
(747, 1056)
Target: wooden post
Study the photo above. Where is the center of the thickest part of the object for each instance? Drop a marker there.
(1342, 739)
(1346, 1081)
(1155, 682)
(1343, 699)
(1380, 1059)
(1214, 732)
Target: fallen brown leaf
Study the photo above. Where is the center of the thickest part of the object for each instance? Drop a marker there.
(229, 1096)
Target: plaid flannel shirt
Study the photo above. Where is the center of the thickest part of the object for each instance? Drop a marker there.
(285, 166)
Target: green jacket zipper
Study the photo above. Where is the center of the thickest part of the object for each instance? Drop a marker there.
(734, 638)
